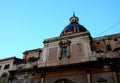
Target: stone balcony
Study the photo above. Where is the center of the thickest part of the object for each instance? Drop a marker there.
(27, 65)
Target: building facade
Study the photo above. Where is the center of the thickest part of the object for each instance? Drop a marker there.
(72, 57)
(7, 65)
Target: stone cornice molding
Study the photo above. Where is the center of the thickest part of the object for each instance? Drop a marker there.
(66, 37)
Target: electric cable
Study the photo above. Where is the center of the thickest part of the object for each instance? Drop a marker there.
(109, 28)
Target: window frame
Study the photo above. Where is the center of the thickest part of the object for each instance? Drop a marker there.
(7, 66)
(64, 48)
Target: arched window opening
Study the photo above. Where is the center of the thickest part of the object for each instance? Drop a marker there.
(63, 81)
(102, 80)
(4, 74)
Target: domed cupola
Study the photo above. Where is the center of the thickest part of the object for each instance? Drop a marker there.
(74, 19)
(73, 27)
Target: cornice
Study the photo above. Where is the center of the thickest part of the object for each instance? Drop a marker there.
(65, 37)
(6, 59)
(38, 49)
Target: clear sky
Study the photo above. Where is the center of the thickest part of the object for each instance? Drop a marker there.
(24, 24)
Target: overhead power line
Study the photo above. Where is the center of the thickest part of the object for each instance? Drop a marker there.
(109, 28)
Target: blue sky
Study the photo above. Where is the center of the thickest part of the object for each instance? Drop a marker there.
(24, 24)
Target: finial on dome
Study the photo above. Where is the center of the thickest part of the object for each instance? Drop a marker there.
(73, 13)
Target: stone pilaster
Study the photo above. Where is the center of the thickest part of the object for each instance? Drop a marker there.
(89, 80)
(42, 79)
(115, 77)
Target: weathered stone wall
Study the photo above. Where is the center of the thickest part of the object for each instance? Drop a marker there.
(99, 44)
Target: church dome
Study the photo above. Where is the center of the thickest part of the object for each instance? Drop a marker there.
(73, 27)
